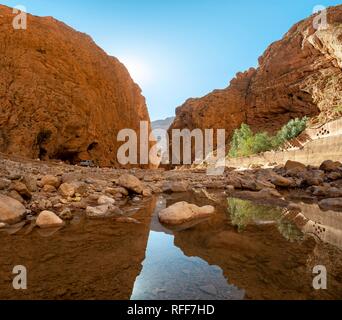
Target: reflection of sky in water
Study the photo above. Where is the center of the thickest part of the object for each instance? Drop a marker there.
(168, 274)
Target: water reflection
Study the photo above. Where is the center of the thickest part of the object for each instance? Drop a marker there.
(85, 260)
(244, 213)
(253, 252)
(169, 274)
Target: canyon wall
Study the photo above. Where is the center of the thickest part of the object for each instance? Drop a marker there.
(61, 96)
(297, 76)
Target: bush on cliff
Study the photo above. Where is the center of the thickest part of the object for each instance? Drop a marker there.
(245, 142)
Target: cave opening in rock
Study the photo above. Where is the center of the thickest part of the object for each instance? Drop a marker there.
(70, 157)
(92, 146)
(42, 153)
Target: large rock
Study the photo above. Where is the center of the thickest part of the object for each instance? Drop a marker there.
(331, 204)
(50, 180)
(330, 166)
(281, 181)
(183, 212)
(176, 186)
(295, 166)
(105, 200)
(67, 190)
(131, 183)
(11, 210)
(73, 97)
(297, 76)
(21, 189)
(48, 219)
(103, 211)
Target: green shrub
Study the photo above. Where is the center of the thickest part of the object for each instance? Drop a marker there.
(245, 143)
(291, 130)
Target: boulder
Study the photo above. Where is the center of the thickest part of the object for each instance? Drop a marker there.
(11, 210)
(48, 219)
(66, 214)
(103, 211)
(176, 186)
(49, 189)
(30, 182)
(15, 195)
(294, 166)
(330, 166)
(105, 200)
(254, 184)
(21, 189)
(131, 183)
(51, 181)
(67, 190)
(182, 212)
(117, 190)
(280, 181)
(326, 191)
(331, 204)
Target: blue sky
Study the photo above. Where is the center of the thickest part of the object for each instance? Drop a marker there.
(181, 48)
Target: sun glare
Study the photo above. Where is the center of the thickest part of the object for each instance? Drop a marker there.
(138, 70)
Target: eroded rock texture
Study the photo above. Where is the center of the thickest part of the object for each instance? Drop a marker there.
(61, 96)
(298, 75)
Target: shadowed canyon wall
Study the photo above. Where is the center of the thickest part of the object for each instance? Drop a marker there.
(61, 96)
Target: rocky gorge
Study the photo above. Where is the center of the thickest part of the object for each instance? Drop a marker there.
(60, 216)
(109, 231)
(45, 194)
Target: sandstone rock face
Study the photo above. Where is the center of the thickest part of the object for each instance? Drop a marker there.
(297, 76)
(183, 212)
(11, 210)
(61, 96)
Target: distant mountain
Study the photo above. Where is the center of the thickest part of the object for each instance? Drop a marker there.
(161, 136)
(162, 124)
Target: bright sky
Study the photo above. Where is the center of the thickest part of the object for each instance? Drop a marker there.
(177, 49)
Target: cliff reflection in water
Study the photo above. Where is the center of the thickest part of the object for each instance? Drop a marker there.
(169, 274)
(263, 252)
(245, 251)
(88, 259)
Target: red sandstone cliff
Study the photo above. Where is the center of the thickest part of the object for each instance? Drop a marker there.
(61, 96)
(298, 75)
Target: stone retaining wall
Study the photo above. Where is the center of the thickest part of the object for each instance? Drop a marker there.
(324, 143)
